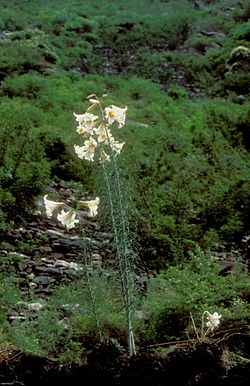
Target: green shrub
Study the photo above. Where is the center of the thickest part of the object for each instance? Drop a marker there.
(36, 39)
(242, 31)
(20, 59)
(25, 86)
(148, 65)
(12, 19)
(201, 44)
(176, 92)
(9, 295)
(64, 328)
(191, 180)
(193, 287)
(81, 25)
(24, 170)
(73, 52)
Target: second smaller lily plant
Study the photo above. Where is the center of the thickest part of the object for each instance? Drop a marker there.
(211, 322)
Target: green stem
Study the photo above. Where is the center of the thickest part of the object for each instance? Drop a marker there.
(90, 286)
(125, 260)
(121, 255)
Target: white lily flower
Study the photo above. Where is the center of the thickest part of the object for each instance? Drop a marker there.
(213, 320)
(50, 206)
(89, 155)
(117, 114)
(104, 156)
(116, 146)
(90, 144)
(103, 133)
(86, 119)
(80, 150)
(92, 205)
(85, 130)
(68, 218)
(88, 147)
(84, 152)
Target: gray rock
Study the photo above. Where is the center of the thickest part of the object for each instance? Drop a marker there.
(70, 242)
(22, 266)
(53, 232)
(11, 318)
(19, 255)
(44, 280)
(30, 307)
(45, 248)
(49, 270)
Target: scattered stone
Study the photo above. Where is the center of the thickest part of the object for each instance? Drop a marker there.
(96, 260)
(45, 249)
(22, 266)
(66, 264)
(19, 255)
(33, 224)
(49, 270)
(53, 232)
(11, 318)
(59, 256)
(31, 307)
(32, 285)
(44, 280)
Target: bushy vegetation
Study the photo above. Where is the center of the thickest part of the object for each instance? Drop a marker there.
(191, 288)
(64, 329)
(182, 69)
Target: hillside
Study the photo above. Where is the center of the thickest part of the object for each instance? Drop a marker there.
(172, 227)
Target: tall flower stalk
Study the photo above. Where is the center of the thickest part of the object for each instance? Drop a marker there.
(122, 249)
(99, 144)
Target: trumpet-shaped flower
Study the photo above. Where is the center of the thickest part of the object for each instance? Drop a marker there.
(89, 155)
(213, 320)
(116, 146)
(103, 156)
(87, 151)
(86, 119)
(117, 114)
(92, 206)
(84, 153)
(103, 133)
(85, 130)
(90, 144)
(50, 206)
(80, 151)
(68, 218)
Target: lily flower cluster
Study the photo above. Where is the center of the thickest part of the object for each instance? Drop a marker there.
(68, 218)
(97, 130)
(213, 320)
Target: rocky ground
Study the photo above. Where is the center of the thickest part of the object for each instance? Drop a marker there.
(44, 252)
